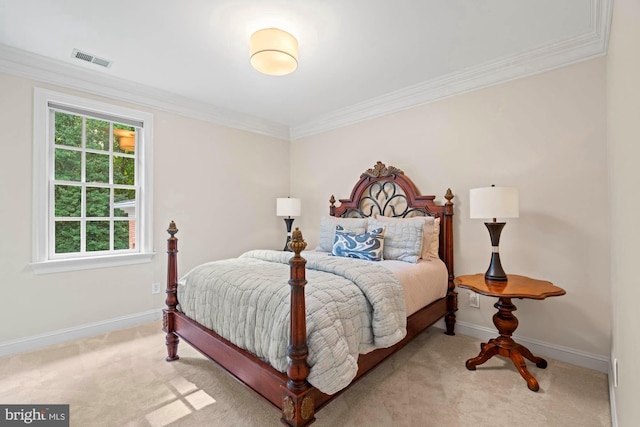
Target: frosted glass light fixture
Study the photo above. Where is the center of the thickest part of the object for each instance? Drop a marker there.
(494, 202)
(274, 52)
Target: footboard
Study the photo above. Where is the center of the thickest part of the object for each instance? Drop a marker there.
(291, 392)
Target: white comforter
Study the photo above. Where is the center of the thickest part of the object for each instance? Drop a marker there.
(353, 307)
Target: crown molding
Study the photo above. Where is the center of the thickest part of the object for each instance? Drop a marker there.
(591, 44)
(28, 65)
(544, 58)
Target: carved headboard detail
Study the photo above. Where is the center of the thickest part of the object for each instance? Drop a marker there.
(386, 190)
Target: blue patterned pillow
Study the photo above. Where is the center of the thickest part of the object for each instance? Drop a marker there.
(367, 246)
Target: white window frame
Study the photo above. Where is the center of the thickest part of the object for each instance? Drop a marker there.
(43, 150)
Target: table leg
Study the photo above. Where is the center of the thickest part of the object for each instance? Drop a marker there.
(539, 361)
(521, 366)
(487, 351)
(507, 323)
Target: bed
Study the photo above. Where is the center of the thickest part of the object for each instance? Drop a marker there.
(295, 378)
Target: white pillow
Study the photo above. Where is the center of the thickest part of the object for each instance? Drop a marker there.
(328, 230)
(430, 233)
(435, 241)
(403, 240)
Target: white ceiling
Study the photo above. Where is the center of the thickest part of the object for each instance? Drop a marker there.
(358, 58)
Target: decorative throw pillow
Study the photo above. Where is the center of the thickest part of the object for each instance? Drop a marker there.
(328, 230)
(430, 233)
(368, 246)
(403, 238)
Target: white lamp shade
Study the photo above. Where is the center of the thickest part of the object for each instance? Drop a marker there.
(494, 202)
(274, 51)
(286, 206)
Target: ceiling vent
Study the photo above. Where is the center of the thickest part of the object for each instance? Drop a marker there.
(87, 57)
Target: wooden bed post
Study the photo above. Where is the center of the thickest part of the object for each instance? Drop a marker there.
(452, 295)
(168, 313)
(297, 406)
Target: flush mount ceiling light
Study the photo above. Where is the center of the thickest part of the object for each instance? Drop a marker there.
(274, 52)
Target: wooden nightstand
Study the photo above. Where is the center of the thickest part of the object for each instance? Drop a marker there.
(506, 322)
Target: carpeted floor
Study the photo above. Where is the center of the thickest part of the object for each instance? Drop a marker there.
(121, 379)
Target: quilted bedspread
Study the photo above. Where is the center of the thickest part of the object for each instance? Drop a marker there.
(353, 306)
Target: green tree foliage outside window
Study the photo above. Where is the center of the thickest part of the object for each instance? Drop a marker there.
(92, 174)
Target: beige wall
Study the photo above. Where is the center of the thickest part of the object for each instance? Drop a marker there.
(543, 134)
(623, 105)
(217, 183)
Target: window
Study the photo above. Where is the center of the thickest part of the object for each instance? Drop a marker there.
(92, 184)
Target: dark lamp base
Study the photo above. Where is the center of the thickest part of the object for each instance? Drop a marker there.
(288, 221)
(286, 245)
(495, 271)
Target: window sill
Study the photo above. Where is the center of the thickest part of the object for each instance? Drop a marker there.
(62, 265)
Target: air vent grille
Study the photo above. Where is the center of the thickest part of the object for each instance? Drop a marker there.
(100, 61)
(87, 57)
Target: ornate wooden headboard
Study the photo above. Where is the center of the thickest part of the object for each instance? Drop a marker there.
(386, 190)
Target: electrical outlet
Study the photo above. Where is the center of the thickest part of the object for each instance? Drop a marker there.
(155, 288)
(474, 300)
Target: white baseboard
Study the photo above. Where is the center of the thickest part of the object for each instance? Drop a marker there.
(63, 335)
(557, 352)
(564, 354)
(541, 348)
(612, 397)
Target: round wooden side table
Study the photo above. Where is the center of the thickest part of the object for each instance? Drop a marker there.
(506, 323)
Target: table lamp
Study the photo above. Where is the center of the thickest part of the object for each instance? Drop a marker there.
(287, 207)
(494, 202)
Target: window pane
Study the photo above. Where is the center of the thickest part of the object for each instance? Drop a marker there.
(68, 165)
(124, 235)
(97, 236)
(124, 202)
(68, 201)
(67, 236)
(124, 139)
(97, 134)
(123, 170)
(68, 129)
(98, 201)
(84, 217)
(97, 168)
